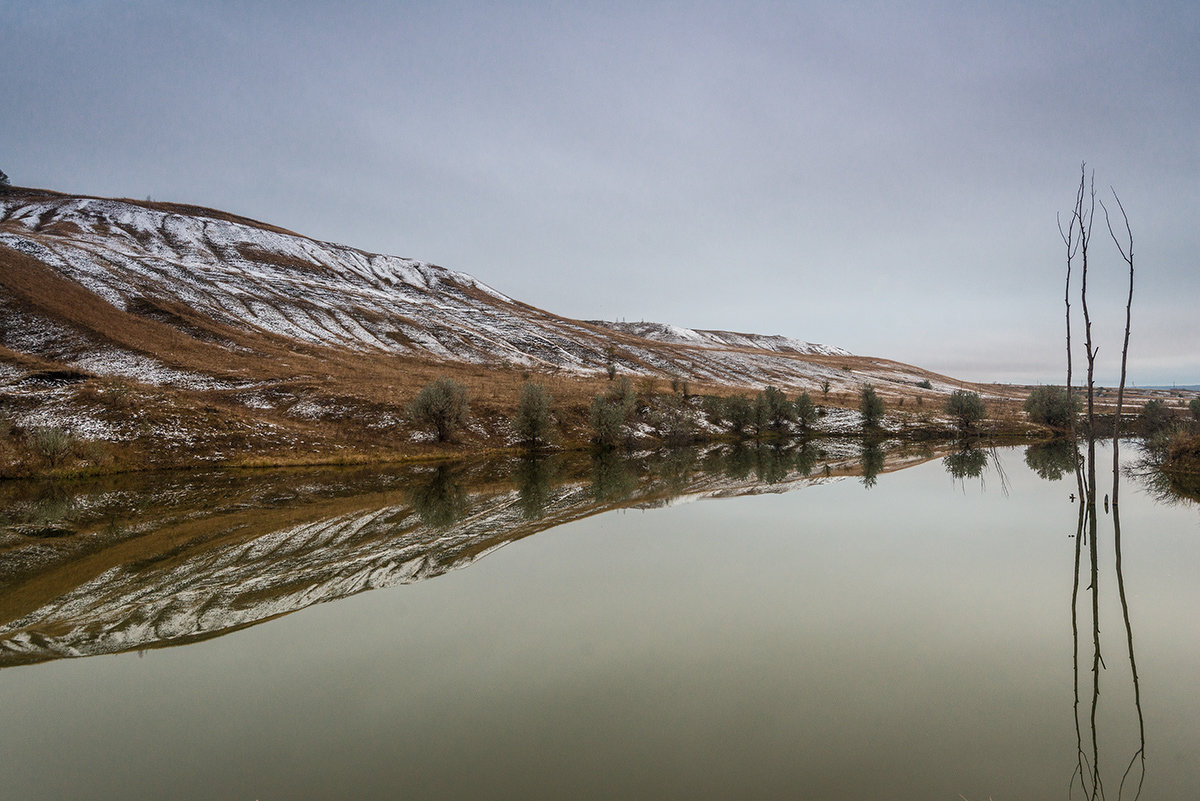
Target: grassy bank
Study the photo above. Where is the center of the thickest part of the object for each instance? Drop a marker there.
(77, 424)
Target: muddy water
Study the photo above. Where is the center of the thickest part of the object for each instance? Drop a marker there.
(751, 625)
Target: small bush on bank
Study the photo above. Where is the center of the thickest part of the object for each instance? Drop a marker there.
(779, 410)
(734, 413)
(610, 413)
(533, 422)
(443, 406)
(870, 406)
(53, 444)
(672, 421)
(965, 407)
(805, 411)
(1155, 417)
(1051, 406)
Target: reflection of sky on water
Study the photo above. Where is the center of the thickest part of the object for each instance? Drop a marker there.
(912, 641)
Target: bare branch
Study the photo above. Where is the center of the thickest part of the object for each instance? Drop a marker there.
(1126, 253)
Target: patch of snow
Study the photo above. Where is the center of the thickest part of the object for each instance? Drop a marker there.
(80, 424)
(126, 364)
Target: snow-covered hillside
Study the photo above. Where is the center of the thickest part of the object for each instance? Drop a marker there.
(259, 279)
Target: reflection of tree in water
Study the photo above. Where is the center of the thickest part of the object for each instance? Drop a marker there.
(769, 464)
(967, 463)
(440, 500)
(675, 468)
(612, 477)
(971, 462)
(773, 463)
(53, 505)
(1165, 485)
(1088, 762)
(871, 460)
(737, 463)
(1052, 460)
(534, 476)
(805, 458)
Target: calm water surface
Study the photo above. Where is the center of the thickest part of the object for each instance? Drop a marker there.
(911, 639)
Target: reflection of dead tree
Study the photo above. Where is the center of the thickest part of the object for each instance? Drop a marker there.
(996, 463)
(1137, 688)
(1081, 762)
(1087, 766)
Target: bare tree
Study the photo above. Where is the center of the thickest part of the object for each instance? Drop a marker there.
(1126, 250)
(1076, 238)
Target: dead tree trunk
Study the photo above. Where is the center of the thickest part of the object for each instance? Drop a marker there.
(1126, 251)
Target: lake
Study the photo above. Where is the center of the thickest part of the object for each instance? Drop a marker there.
(818, 623)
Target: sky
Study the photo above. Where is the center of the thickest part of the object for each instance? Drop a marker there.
(881, 177)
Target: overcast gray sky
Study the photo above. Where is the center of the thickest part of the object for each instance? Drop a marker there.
(883, 177)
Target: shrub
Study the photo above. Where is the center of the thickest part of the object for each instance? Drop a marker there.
(805, 410)
(925, 384)
(610, 362)
(443, 406)
(53, 444)
(776, 410)
(672, 421)
(965, 407)
(533, 422)
(1194, 406)
(713, 407)
(825, 389)
(738, 414)
(1051, 406)
(1156, 417)
(610, 412)
(870, 406)
(760, 420)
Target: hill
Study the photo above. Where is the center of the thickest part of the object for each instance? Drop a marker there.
(189, 333)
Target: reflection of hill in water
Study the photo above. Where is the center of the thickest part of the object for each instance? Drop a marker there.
(114, 565)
